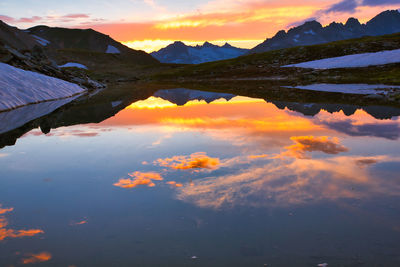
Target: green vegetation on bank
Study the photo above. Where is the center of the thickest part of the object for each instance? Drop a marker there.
(268, 65)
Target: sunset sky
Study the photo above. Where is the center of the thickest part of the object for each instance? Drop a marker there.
(152, 24)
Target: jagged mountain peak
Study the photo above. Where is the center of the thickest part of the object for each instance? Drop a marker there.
(352, 23)
(312, 32)
(207, 52)
(227, 45)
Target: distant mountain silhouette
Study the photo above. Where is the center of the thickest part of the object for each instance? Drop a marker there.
(181, 96)
(88, 40)
(178, 52)
(312, 32)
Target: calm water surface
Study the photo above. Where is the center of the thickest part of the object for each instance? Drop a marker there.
(187, 178)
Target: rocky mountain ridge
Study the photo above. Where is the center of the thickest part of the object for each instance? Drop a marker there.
(180, 53)
(312, 32)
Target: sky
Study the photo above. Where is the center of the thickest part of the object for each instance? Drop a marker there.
(152, 24)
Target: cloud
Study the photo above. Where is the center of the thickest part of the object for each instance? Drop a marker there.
(76, 16)
(379, 2)
(36, 258)
(197, 160)
(11, 233)
(388, 130)
(367, 161)
(348, 6)
(8, 19)
(175, 184)
(48, 19)
(287, 183)
(139, 178)
(310, 143)
(2, 155)
(3, 211)
(79, 222)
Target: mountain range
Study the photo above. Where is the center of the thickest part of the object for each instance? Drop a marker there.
(312, 32)
(181, 96)
(180, 53)
(309, 33)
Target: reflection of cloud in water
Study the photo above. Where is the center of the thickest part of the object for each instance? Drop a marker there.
(310, 143)
(388, 130)
(11, 233)
(360, 124)
(197, 160)
(175, 184)
(139, 178)
(65, 132)
(290, 182)
(36, 258)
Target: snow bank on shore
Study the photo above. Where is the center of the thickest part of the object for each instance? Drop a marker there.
(20, 87)
(353, 61)
(363, 89)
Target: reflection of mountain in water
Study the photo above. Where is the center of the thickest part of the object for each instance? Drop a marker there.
(100, 107)
(87, 110)
(12, 119)
(181, 96)
(312, 109)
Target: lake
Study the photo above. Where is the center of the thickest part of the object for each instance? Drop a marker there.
(179, 177)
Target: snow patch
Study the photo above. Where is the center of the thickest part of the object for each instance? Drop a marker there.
(73, 65)
(310, 32)
(116, 103)
(362, 89)
(20, 87)
(353, 61)
(112, 50)
(40, 40)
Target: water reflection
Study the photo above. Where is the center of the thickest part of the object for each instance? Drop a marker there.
(12, 233)
(162, 174)
(36, 258)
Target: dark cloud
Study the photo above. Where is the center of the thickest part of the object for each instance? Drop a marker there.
(347, 6)
(350, 6)
(389, 131)
(310, 143)
(379, 2)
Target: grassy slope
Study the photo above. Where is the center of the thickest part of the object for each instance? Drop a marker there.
(268, 64)
(108, 67)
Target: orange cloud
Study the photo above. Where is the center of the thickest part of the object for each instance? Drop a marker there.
(79, 223)
(310, 143)
(197, 160)
(175, 184)
(242, 20)
(36, 258)
(292, 182)
(11, 233)
(3, 211)
(139, 178)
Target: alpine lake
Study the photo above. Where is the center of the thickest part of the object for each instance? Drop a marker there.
(164, 176)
